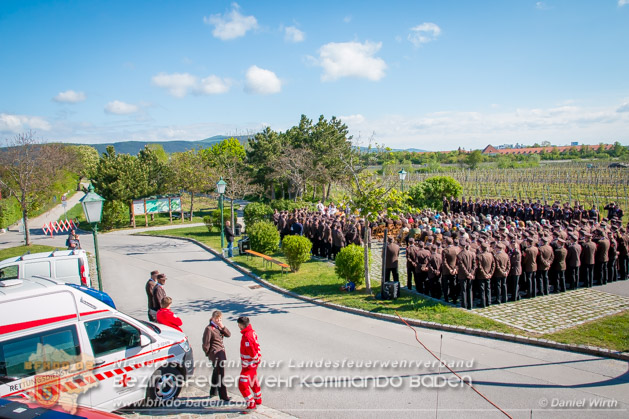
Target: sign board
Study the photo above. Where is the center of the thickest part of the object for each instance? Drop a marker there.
(155, 206)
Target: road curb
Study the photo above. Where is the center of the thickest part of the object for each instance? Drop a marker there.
(583, 349)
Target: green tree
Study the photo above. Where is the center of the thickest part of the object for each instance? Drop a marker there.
(159, 152)
(227, 159)
(85, 161)
(29, 169)
(473, 159)
(262, 152)
(368, 195)
(191, 173)
(120, 177)
(157, 174)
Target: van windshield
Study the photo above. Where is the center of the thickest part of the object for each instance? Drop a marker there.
(150, 326)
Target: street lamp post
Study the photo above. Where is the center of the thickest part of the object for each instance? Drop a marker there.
(402, 174)
(220, 188)
(93, 208)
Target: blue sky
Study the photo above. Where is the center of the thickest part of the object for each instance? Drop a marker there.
(434, 75)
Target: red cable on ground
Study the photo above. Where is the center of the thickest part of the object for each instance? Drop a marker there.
(450, 369)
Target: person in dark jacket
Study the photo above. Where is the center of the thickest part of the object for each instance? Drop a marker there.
(214, 349)
(558, 267)
(515, 273)
(229, 236)
(601, 257)
(449, 282)
(421, 270)
(411, 262)
(434, 272)
(573, 261)
(588, 253)
(485, 266)
(338, 241)
(503, 266)
(466, 269)
(544, 261)
(391, 262)
(148, 288)
(529, 265)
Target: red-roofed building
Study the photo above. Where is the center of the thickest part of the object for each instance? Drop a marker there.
(492, 151)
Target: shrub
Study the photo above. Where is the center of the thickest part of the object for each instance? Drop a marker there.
(115, 213)
(256, 211)
(350, 264)
(263, 237)
(4, 214)
(297, 250)
(430, 192)
(209, 222)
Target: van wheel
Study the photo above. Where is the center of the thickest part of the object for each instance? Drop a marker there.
(166, 384)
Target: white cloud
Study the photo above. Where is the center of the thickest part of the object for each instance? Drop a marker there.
(292, 34)
(177, 84)
(180, 84)
(231, 25)
(70, 96)
(622, 2)
(540, 5)
(120, 108)
(447, 130)
(19, 123)
(213, 85)
(261, 81)
(424, 33)
(352, 119)
(347, 19)
(351, 59)
(624, 107)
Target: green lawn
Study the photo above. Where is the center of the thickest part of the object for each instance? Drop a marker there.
(12, 252)
(609, 332)
(317, 279)
(76, 212)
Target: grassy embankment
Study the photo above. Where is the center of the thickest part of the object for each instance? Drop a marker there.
(11, 252)
(202, 207)
(317, 279)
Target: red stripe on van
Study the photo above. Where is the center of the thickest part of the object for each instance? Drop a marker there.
(15, 327)
(89, 313)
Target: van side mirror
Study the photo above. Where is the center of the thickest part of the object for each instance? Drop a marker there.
(144, 341)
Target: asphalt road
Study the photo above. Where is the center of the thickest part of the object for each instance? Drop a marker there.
(526, 381)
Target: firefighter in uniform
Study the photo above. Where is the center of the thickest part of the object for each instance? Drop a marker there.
(250, 359)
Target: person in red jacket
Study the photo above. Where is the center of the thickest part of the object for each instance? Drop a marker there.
(167, 317)
(249, 358)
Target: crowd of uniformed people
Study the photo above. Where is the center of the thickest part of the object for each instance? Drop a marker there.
(481, 252)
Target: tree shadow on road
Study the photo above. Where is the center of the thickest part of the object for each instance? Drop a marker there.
(250, 307)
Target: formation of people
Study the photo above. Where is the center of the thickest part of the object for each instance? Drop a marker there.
(497, 258)
(213, 347)
(494, 250)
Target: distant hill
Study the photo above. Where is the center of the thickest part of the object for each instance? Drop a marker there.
(134, 147)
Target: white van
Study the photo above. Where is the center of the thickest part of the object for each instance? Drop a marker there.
(69, 266)
(61, 345)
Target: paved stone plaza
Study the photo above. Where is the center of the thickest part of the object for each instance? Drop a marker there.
(539, 315)
(556, 311)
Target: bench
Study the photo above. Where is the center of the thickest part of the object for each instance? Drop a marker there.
(267, 259)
